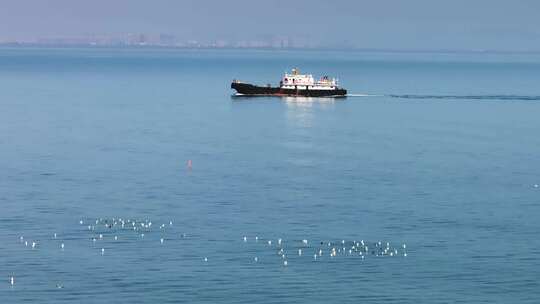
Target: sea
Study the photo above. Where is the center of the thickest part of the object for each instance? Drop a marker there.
(133, 175)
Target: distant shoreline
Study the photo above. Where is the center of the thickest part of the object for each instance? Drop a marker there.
(161, 47)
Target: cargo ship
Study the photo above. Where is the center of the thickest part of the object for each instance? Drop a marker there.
(293, 84)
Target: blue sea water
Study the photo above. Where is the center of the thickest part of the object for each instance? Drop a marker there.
(442, 155)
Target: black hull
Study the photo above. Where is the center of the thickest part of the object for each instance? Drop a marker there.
(253, 90)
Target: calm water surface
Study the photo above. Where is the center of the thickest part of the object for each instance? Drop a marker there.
(103, 133)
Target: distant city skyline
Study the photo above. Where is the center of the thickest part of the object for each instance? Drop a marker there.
(139, 40)
(166, 40)
(496, 25)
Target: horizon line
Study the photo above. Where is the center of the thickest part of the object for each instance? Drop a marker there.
(266, 48)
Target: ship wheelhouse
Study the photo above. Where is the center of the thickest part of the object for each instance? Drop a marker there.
(298, 81)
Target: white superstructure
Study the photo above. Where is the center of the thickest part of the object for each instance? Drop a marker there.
(298, 81)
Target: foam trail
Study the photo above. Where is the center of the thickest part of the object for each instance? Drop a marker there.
(470, 97)
(364, 95)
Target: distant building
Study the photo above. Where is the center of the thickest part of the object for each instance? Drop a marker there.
(167, 40)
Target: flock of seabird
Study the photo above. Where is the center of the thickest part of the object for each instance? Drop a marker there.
(115, 227)
(98, 230)
(332, 249)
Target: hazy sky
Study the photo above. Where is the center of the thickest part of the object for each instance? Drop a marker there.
(397, 24)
